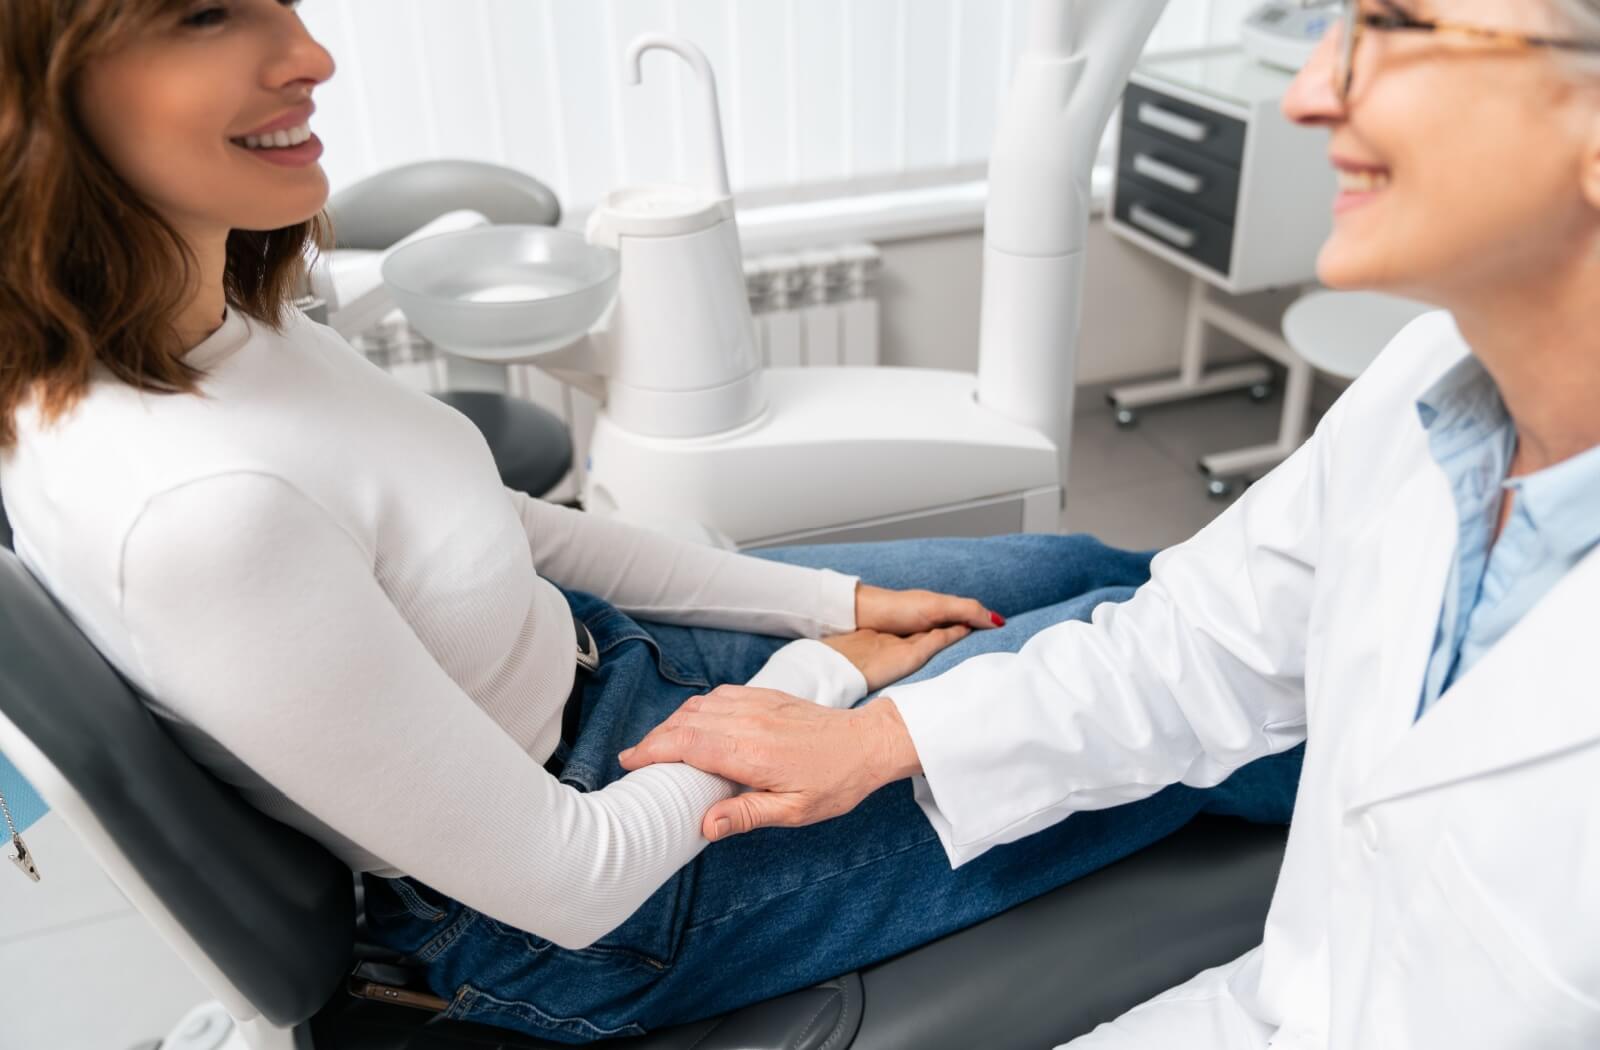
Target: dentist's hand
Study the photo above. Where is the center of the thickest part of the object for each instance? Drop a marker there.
(805, 763)
(912, 612)
(884, 658)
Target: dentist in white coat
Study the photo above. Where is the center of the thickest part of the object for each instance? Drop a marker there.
(1415, 593)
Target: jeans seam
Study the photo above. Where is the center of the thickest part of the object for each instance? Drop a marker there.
(414, 904)
(664, 663)
(460, 1003)
(763, 901)
(595, 952)
(471, 996)
(446, 937)
(669, 669)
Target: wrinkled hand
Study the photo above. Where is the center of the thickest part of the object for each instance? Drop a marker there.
(883, 658)
(805, 763)
(913, 612)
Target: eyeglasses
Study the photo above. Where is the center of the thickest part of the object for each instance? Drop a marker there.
(1392, 19)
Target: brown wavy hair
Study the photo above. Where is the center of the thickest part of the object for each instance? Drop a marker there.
(88, 271)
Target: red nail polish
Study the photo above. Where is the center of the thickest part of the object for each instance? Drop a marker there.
(997, 619)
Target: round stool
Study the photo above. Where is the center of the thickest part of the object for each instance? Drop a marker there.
(532, 448)
(1340, 333)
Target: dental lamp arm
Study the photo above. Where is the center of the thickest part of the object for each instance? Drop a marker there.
(672, 581)
(1071, 73)
(1074, 64)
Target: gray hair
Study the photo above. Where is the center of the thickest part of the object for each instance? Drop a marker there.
(1582, 19)
(1581, 16)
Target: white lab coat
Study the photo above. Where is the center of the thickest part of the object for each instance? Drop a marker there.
(1442, 881)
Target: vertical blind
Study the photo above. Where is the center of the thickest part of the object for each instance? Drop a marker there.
(817, 96)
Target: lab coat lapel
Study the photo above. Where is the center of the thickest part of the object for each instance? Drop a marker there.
(1414, 562)
(1530, 696)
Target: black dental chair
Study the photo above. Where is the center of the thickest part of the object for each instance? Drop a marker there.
(270, 922)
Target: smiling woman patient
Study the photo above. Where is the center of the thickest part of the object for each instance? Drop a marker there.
(314, 576)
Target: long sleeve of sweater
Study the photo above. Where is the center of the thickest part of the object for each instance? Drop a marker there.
(263, 621)
(672, 581)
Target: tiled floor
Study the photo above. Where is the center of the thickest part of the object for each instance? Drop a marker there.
(80, 970)
(1141, 487)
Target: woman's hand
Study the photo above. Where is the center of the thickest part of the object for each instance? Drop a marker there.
(883, 658)
(913, 612)
(805, 763)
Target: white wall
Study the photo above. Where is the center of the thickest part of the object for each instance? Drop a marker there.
(1132, 312)
(817, 95)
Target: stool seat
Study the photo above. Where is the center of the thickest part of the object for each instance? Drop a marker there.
(1340, 333)
(532, 448)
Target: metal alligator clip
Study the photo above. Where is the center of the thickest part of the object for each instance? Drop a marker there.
(24, 859)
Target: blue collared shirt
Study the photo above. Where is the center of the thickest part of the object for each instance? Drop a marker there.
(1554, 522)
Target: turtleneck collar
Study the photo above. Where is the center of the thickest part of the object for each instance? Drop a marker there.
(234, 333)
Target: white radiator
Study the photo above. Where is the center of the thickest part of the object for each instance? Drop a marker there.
(811, 309)
(816, 308)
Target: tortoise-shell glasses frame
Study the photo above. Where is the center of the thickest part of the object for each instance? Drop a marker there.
(1391, 18)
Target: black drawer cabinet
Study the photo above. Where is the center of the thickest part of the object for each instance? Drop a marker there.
(1178, 175)
(1177, 225)
(1182, 125)
(1181, 174)
(1213, 178)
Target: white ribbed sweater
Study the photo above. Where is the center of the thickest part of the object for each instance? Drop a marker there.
(316, 577)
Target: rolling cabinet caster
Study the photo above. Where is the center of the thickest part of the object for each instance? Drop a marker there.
(1126, 418)
(1260, 392)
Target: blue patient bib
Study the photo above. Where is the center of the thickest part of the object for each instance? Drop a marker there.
(25, 804)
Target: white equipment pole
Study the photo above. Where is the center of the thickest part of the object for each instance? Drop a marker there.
(1077, 59)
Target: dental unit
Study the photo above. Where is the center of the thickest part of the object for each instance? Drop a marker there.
(693, 429)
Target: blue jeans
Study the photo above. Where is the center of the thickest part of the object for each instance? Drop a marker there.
(779, 909)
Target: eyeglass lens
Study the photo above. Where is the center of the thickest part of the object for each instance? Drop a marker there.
(1349, 36)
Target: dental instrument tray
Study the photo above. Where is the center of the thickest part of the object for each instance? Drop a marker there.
(502, 293)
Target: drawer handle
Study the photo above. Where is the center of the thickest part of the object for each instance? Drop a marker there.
(1166, 229)
(1183, 127)
(1166, 174)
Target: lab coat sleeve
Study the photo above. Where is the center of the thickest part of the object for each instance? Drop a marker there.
(1200, 672)
(266, 628)
(673, 581)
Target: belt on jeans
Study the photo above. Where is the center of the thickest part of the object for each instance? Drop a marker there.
(588, 661)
